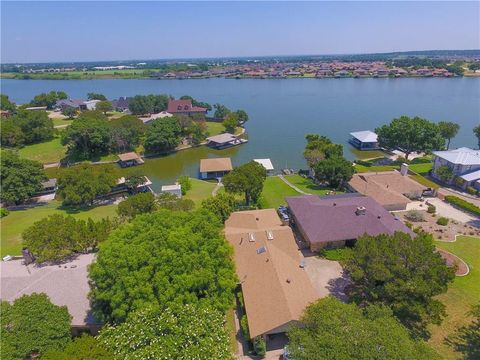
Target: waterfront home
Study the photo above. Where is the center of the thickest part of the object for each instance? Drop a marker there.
(122, 187)
(129, 159)
(364, 140)
(81, 105)
(275, 288)
(224, 140)
(267, 164)
(184, 107)
(391, 189)
(65, 285)
(215, 168)
(336, 221)
(121, 104)
(464, 163)
(175, 189)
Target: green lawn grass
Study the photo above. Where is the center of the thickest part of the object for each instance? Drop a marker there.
(361, 168)
(16, 222)
(424, 181)
(307, 185)
(232, 329)
(461, 295)
(274, 192)
(57, 121)
(45, 152)
(200, 191)
(367, 154)
(421, 169)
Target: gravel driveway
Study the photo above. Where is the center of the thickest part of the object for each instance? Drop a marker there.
(326, 276)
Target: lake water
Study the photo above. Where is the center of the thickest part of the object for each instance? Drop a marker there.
(283, 111)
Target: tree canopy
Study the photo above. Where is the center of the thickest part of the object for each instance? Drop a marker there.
(220, 111)
(222, 205)
(330, 329)
(104, 106)
(96, 96)
(20, 178)
(448, 130)
(476, 131)
(247, 179)
(319, 148)
(174, 257)
(145, 104)
(26, 127)
(410, 134)
(57, 237)
(162, 135)
(336, 171)
(137, 204)
(402, 272)
(6, 104)
(184, 332)
(126, 132)
(82, 184)
(48, 99)
(85, 347)
(32, 325)
(173, 202)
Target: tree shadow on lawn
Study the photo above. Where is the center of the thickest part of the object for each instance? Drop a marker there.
(467, 340)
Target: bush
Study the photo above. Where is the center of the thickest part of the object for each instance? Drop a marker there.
(431, 209)
(341, 254)
(415, 216)
(463, 204)
(421, 160)
(244, 326)
(442, 221)
(185, 183)
(471, 190)
(259, 346)
(4, 212)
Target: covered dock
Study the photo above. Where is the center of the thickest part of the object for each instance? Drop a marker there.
(224, 140)
(129, 159)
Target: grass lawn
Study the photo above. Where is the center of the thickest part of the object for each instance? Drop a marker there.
(424, 181)
(421, 169)
(16, 222)
(274, 192)
(367, 154)
(461, 295)
(215, 128)
(200, 190)
(307, 185)
(46, 152)
(58, 121)
(232, 329)
(361, 168)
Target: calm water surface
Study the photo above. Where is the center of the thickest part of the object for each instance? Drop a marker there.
(283, 111)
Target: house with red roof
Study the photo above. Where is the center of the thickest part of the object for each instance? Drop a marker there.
(184, 107)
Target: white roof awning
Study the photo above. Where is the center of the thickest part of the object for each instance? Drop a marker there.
(365, 136)
(267, 163)
(475, 175)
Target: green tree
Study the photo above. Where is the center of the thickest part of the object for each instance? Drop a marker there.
(57, 237)
(85, 347)
(222, 205)
(96, 96)
(220, 111)
(82, 184)
(247, 179)
(476, 131)
(175, 257)
(230, 122)
(402, 272)
(145, 104)
(330, 329)
(474, 66)
(242, 116)
(410, 134)
(137, 204)
(69, 111)
(197, 131)
(456, 69)
(36, 126)
(48, 99)
(104, 106)
(336, 171)
(184, 332)
(134, 179)
(448, 130)
(185, 183)
(6, 104)
(162, 135)
(319, 148)
(467, 338)
(20, 178)
(126, 132)
(444, 173)
(11, 134)
(173, 202)
(88, 136)
(32, 325)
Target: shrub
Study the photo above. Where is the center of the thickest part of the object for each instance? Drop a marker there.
(431, 209)
(415, 216)
(340, 254)
(185, 183)
(421, 160)
(444, 173)
(468, 206)
(244, 326)
(259, 346)
(4, 212)
(443, 221)
(471, 190)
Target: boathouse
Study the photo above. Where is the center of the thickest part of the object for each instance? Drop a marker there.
(267, 164)
(224, 140)
(175, 189)
(129, 159)
(215, 168)
(364, 140)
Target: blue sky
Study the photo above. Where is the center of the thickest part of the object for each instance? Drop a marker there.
(83, 31)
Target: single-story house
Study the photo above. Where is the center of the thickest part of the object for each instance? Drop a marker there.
(276, 289)
(65, 285)
(364, 140)
(224, 140)
(267, 164)
(336, 221)
(129, 159)
(82, 105)
(184, 107)
(48, 187)
(121, 104)
(175, 189)
(390, 189)
(215, 168)
(464, 163)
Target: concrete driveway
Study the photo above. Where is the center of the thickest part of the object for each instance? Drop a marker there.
(326, 276)
(447, 210)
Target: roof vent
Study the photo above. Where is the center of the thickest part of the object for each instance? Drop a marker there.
(289, 281)
(361, 210)
(251, 237)
(269, 234)
(334, 204)
(261, 250)
(379, 217)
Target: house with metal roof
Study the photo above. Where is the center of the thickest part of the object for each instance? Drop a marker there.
(464, 163)
(364, 140)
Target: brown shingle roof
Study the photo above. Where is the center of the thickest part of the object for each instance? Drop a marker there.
(128, 156)
(334, 218)
(215, 164)
(275, 289)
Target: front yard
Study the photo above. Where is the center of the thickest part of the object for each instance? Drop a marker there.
(274, 192)
(46, 152)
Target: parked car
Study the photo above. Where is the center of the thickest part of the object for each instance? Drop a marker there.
(283, 213)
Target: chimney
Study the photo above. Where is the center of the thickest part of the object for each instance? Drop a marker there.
(361, 210)
(404, 169)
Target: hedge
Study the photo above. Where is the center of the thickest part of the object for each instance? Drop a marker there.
(463, 204)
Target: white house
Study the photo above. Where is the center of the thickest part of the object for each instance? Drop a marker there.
(464, 163)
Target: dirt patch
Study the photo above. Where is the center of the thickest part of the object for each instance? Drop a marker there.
(451, 260)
